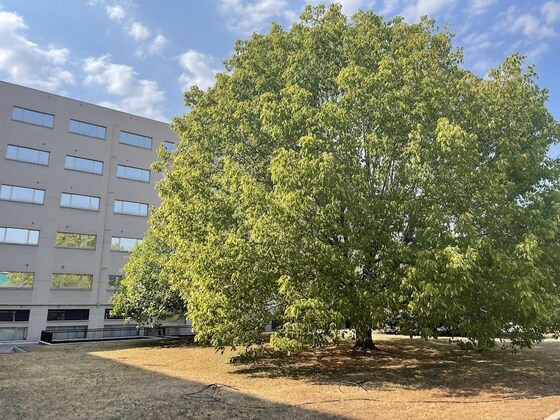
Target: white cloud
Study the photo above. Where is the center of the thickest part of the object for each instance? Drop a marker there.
(528, 31)
(116, 13)
(479, 7)
(482, 65)
(197, 70)
(418, 8)
(138, 31)
(532, 49)
(389, 7)
(352, 6)
(135, 30)
(28, 63)
(528, 24)
(134, 95)
(157, 45)
(247, 16)
(551, 12)
(476, 42)
(481, 51)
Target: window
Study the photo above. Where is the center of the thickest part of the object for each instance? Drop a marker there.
(115, 282)
(136, 174)
(67, 315)
(123, 244)
(170, 147)
(75, 240)
(135, 140)
(109, 316)
(33, 117)
(19, 236)
(131, 208)
(77, 201)
(24, 154)
(14, 315)
(12, 334)
(22, 194)
(83, 165)
(16, 279)
(71, 281)
(87, 129)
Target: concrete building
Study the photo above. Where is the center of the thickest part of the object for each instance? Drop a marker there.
(75, 193)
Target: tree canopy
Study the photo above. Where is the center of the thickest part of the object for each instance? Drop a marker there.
(144, 294)
(351, 170)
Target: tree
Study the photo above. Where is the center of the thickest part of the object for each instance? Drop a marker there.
(145, 294)
(352, 170)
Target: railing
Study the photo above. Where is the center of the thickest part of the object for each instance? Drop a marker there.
(114, 333)
(169, 331)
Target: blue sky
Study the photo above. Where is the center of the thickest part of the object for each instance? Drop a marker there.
(139, 56)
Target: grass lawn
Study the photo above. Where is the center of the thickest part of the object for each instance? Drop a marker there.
(170, 379)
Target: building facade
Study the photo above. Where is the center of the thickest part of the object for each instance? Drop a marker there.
(76, 190)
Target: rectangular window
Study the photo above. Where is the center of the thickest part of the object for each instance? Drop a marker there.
(16, 279)
(71, 281)
(135, 140)
(170, 147)
(14, 315)
(83, 165)
(22, 194)
(123, 244)
(115, 282)
(75, 240)
(131, 207)
(87, 129)
(33, 117)
(13, 334)
(67, 315)
(135, 174)
(18, 236)
(25, 154)
(77, 201)
(109, 316)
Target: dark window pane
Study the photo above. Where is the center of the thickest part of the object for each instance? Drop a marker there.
(68, 315)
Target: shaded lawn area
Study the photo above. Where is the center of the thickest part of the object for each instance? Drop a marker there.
(173, 379)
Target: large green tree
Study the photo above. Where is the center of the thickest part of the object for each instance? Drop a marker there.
(352, 170)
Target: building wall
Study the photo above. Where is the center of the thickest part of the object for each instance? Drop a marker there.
(49, 218)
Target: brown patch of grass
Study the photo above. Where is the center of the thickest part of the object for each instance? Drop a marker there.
(172, 379)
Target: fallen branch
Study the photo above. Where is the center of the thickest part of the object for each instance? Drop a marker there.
(215, 388)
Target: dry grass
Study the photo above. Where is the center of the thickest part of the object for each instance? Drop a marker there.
(169, 379)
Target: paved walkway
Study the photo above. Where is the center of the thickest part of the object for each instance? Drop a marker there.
(6, 348)
(9, 348)
(555, 416)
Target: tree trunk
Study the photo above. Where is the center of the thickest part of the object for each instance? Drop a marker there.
(364, 340)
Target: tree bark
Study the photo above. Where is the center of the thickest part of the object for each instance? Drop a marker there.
(364, 340)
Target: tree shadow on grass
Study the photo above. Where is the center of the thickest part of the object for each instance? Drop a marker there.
(70, 382)
(402, 363)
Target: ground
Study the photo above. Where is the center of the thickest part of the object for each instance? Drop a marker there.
(172, 379)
